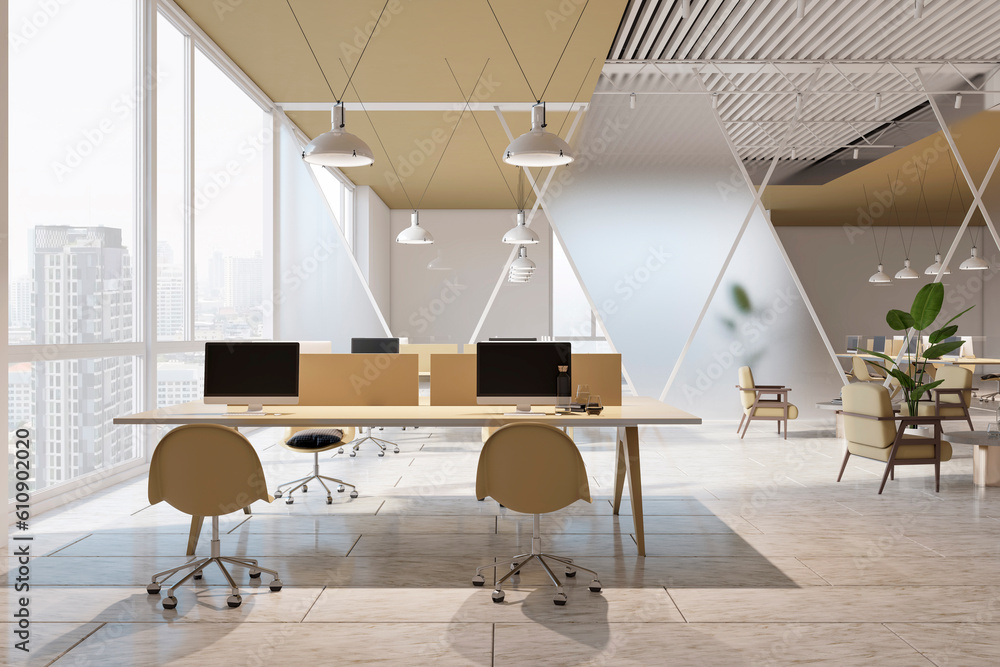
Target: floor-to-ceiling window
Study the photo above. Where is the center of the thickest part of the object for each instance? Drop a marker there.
(572, 317)
(75, 302)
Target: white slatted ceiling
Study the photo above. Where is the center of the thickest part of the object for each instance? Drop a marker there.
(654, 30)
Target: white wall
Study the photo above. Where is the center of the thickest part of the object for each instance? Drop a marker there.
(372, 244)
(445, 304)
(834, 264)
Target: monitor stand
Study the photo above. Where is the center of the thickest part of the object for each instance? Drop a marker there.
(252, 409)
(521, 411)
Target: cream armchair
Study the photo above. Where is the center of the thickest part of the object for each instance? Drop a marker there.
(871, 432)
(756, 407)
(952, 397)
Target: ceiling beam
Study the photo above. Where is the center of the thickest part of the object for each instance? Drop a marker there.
(436, 106)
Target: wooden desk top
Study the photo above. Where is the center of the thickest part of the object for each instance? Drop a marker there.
(959, 361)
(633, 412)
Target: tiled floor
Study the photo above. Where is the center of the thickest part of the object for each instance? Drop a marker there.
(755, 556)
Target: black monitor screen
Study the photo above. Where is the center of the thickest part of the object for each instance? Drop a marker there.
(251, 369)
(374, 346)
(852, 343)
(501, 338)
(878, 344)
(520, 369)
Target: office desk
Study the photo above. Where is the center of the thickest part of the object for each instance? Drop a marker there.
(627, 418)
(955, 361)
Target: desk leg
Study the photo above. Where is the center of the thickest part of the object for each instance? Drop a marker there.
(619, 467)
(635, 484)
(196, 523)
(986, 465)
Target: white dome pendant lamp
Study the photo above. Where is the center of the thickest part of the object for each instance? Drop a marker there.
(520, 234)
(975, 262)
(538, 147)
(338, 148)
(880, 277)
(935, 268)
(906, 273)
(414, 234)
(522, 268)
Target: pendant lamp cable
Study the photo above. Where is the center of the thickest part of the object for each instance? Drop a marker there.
(961, 201)
(538, 98)
(316, 58)
(875, 232)
(899, 224)
(927, 211)
(379, 139)
(517, 202)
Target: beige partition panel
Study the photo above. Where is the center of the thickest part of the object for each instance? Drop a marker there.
(453, 379)
(469, 348)
(425, 350)
(603, 372)
(358, 379)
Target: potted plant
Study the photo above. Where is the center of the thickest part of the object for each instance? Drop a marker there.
(925, 309)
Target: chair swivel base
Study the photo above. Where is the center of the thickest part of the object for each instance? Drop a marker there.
(379, 442)
(302, 483)
(519, 561)
(197, 567)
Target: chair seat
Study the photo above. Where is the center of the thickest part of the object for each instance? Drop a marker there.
(928, 409)
(913, 447)
(768, 409)
(991, 376)
(315, 440)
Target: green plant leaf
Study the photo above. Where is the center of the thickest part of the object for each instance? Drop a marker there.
(920, 390)
(905, 381)
(936, 351)
(742, 299)
(943, 333)
(959, 315)
(899, 320)
(927, 305)
(877, 354)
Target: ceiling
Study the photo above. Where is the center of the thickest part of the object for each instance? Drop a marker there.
(405, 63)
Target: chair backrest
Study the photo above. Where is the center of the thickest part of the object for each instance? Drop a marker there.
(867, 398)
(955, 377)
(860, 367)
(206, 470)
(746, 382)
(532, 469)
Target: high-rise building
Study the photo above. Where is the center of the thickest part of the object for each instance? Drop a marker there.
(169, 302)
(82, 293)
(243, 283)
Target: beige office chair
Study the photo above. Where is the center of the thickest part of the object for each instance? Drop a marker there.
(533, 469)
(862, 372)
(871, 432)
(207, 470)
(755, 407)
(952, 397)
(313, 441)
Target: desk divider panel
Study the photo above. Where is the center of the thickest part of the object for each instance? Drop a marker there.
(425, 350)
(453, 377)
(358, 379)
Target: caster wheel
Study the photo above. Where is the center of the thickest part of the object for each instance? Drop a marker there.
(340, 450)
(353, 453)
(290, 500)
(478, 580)
(329, 500)
(498, 596)
(560, 599)
(340, 489)
(275, 585)
(199, 575)
(277, 494)
(354, 494)
(396, 451)
(305, 488)
(234, 601)
(255, 574)
(381, 454)
(595, 586)
(170, 602)
(153, 589)
(570, 572)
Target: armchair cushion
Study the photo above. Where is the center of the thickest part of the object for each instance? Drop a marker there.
(913, 447)
(773, 409)
(315, 439)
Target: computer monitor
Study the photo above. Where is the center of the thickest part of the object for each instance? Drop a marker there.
(501, 339)
(878, 344)
(911, 347)
(374, 346)
(852, 343)
(252, 374)
(520, 373)
(957, 351)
